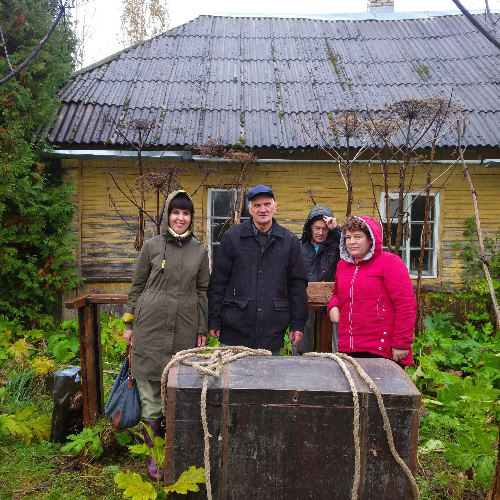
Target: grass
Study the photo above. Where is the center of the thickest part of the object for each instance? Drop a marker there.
(438, 480)
(39, 470)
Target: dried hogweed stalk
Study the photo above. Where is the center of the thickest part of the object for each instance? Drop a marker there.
(212, 147)
(240, 156)
(348, 124)
(163, 180)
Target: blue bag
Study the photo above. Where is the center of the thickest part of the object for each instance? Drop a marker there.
(123, 409)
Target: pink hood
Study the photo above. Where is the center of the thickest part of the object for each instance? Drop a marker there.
(375, 229)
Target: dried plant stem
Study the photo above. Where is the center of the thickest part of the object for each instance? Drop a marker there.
(482, 257)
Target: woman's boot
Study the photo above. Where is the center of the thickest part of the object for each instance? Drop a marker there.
(158, 429)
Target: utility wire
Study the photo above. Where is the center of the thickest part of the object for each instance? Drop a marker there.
(5, 47)
(15, 72)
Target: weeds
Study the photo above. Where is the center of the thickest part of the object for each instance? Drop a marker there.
(457, 370)
(458, 373)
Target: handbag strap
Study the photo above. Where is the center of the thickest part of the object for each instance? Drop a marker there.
(130, 379)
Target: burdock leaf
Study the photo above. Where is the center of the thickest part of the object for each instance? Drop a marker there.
(135, 488)
(188, 481)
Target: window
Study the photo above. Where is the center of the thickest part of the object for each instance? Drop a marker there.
(414, 207)
(220, 202)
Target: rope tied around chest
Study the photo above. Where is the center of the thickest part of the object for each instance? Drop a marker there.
(340, 358)
(211, 366)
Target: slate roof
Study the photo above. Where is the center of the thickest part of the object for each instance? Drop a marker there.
(263, 78)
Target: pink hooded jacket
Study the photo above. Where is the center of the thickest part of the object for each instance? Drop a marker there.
(376, 300)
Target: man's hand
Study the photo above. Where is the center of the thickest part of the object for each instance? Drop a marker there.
(127, 335)
(295, 337)
(214, 333)
(399, 354)
(331, 222)
(201, 341)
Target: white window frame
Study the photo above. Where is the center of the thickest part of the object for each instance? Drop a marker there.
(406, 242)
(211, 217)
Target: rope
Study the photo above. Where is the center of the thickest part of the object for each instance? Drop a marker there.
(385, 418)
(211, 366)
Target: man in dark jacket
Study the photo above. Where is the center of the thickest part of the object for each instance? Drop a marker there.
(320, 248)
(258, 284)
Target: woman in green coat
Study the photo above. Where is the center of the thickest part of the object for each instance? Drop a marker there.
(167, 307)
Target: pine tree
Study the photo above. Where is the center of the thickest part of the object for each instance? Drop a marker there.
(35, 214)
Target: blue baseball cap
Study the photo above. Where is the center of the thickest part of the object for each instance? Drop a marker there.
(260, 189)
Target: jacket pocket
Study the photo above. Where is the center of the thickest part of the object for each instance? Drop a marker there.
(233, 313)
(381, 307)
(282, 304)
(138, 307)
(235, 302)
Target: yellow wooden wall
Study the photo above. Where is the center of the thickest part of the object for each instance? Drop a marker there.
(106, 256)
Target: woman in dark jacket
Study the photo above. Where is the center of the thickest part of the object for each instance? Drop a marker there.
(167, 307)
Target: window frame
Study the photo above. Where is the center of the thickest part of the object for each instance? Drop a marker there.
(406, 243)
(210, 217)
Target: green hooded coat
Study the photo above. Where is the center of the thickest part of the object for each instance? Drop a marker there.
(168, 306)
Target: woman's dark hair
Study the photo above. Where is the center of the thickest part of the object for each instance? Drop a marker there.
(356, 224)
(181, 201)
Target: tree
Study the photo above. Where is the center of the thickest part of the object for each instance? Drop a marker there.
(394, 135)
(83, 16)
(136, 133)
(58, 12)
(35, 214)
(143, 19)
(489, 35)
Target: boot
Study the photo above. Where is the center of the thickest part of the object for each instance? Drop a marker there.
(158, 428)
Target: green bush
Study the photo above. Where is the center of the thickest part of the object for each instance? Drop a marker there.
(35, 213)
(458, 372)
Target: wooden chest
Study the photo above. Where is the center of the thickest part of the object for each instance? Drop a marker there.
(282, 428)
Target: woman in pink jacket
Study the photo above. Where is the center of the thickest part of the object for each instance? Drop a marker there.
(373, 300)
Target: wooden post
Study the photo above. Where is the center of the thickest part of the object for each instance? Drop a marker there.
(318, 295)
(89, 326)
(89, 329)
(326, 332)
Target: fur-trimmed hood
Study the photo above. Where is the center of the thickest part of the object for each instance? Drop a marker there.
(375, 229)
(165, 228)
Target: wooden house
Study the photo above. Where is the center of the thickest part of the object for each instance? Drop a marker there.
(272, 86)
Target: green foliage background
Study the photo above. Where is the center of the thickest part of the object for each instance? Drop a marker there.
(35, 213)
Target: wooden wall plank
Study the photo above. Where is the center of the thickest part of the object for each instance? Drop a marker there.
(106, 246)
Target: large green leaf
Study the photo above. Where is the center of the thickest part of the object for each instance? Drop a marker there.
(135, 488)
(188, 481)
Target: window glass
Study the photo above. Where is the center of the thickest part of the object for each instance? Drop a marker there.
(414, 208)
(219, 217)
(220, 203)
(418, 208)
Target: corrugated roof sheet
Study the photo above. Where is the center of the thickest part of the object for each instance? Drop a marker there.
(265, 79)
